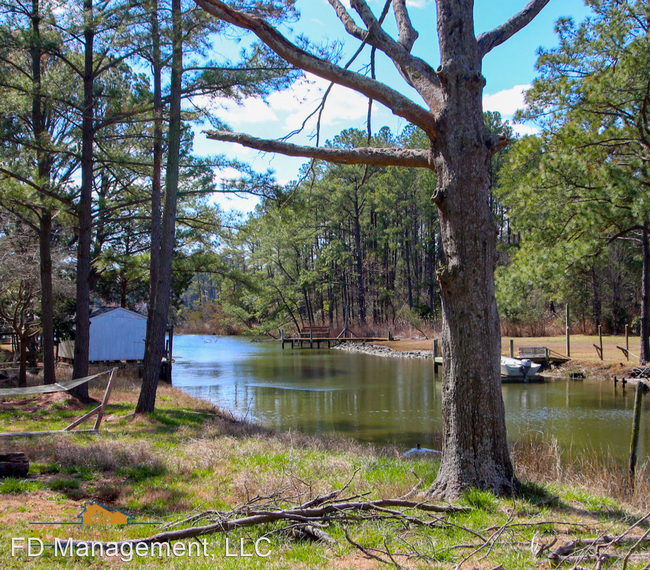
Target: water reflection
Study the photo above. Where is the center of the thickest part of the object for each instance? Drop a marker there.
(386, 400)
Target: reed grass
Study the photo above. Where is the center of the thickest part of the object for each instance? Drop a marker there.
(541, 459)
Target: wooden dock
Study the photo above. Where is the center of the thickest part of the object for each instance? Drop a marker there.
(310, 342)
(310, 335)
(541, 355)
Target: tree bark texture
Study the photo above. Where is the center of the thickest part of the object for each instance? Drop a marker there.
(156, 179)
(157, 323)
(644, 356)
(47, 297)
(475, 451)
(82, 319)
(44, 164)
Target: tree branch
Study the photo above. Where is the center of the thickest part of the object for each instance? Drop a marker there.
(415, 158)
(417, 73)
(489, 40)
(399, 104)
(407, 34)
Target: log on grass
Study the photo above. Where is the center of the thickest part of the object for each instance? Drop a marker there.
(13, 465)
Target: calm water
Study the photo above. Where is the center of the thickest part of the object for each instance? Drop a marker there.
(386, 400)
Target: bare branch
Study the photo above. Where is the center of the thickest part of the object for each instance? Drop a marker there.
(417, 73)
(407, 34)
(489, 40)
(350, 27)
(399, 104)
(415, 158)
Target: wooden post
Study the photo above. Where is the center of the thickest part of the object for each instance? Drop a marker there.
(311, 338)
(600, 334)
(512, 348)
(634, 444)
(627, 342)
(345, 329)
(435, 355)
(568, 332)
(107, 393)
(282, 337)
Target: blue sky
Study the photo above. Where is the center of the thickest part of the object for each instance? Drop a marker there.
(509, 69)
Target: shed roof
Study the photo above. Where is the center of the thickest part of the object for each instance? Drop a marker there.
(121, 310)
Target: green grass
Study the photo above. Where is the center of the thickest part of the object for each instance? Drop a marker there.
(12, 486)
(186, 459)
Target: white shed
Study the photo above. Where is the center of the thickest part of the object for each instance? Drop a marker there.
(115, 334)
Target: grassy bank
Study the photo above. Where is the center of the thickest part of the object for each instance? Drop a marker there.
(189, 458)
(582, 347)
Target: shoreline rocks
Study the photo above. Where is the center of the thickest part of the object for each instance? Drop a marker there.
(376, 350)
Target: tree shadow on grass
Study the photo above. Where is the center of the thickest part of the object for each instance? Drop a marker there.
(536, 495)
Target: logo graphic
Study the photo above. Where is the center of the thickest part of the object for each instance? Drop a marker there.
(95, 522)
(96, 513)
(102, 531)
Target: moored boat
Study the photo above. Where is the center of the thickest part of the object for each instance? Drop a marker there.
(515, 368)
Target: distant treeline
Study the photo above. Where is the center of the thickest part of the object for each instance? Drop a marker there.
(368, 238)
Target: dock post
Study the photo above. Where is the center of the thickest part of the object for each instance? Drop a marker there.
(512, 348)
(634, 443)
(435, 355)
(311, 338)
(627, 342)
(600, 334)
(282, 337)
(345, 329)
(568, 332)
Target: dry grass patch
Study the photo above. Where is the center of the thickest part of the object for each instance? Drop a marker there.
(541, 460)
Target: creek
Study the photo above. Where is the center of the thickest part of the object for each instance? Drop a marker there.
(388, 400)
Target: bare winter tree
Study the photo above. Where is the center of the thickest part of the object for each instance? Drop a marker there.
(475, 451)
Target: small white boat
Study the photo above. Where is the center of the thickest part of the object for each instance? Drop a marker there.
(515, 368)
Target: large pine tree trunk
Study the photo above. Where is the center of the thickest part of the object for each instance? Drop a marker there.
(47, 297)
(474, 447)
(82, 319)
(22, 362)
(475, 451)
(156, 179)
(44, 163)
(644, 356)
(358, 254)
(157, 323)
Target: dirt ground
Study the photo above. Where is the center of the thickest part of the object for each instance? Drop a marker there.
(582, 348)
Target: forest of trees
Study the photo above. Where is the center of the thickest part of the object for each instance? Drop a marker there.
(96, 164)
(99, 185)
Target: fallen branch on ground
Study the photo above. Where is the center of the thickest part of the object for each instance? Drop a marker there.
(332, 510)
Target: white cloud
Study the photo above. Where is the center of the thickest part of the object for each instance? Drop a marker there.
(303, 98)
(230, 202)
(290, 107)
(524, 130)
(506, 102)
(250, 110)
(418, 3)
